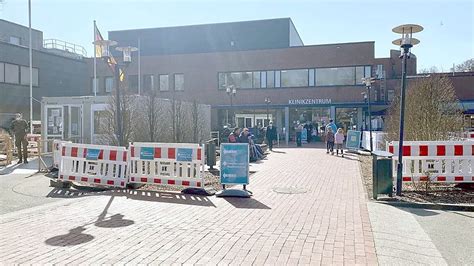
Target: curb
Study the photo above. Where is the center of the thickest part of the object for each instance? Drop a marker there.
(432, 206)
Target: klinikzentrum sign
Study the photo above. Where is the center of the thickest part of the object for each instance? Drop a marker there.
(309, 101)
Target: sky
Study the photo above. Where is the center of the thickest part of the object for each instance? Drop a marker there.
(447, 38)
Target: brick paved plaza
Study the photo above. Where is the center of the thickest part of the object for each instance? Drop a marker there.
(329, 224)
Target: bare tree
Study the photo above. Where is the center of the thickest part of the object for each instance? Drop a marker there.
(466, 66)
(109, 124)
(431, 113)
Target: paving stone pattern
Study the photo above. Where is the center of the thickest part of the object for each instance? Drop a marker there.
(329, 224)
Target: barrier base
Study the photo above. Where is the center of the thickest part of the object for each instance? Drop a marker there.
(199, 191)
(238, 193)
(59, 184)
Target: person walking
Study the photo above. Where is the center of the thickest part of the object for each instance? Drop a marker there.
(271, 135)
(234, 136)
(330, 141)
(332, 125)
(19, 128)
(339, 140)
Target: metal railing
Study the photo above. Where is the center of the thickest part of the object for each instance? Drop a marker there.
(64, 46)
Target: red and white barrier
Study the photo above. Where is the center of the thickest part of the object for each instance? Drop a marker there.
(57, 148)
(94, 164)
(176, 164)
(438, 161)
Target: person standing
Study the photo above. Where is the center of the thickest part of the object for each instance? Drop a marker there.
(271, 135)
(234, 136)
(20, 128)
(330, 141)
(339, 140)
(299, 128)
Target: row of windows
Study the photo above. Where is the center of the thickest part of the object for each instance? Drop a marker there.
(337, 76)
(149, 82)
(15, 74)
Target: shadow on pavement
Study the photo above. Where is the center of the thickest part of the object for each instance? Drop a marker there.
(32, 165)
(143, 195)
(419, 211)
(274, 151)
(247, 203)
(114, 221)
(74, 237)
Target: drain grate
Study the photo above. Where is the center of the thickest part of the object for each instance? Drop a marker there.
(289, 190)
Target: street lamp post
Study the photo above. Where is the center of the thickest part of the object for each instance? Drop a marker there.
(231, 92)
(268, 102)
(405, 42)
(368, 84)
(126, 60)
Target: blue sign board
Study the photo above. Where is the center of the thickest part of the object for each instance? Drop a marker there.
(147, 153)
(234, 163)
(92, 154)
(353, 139)
(184, 155)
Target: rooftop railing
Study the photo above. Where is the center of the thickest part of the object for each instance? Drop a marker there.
(64, 46)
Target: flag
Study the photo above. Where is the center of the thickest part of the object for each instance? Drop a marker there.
(99, 51)
(121, 75)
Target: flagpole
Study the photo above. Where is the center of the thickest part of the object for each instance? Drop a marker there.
(30, 54)
(139, 68)
(94, 83)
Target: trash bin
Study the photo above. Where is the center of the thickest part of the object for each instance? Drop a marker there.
(211, 153)
(382, 181)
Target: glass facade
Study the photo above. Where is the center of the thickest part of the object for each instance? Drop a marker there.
(133, 82)
(334, 76)
(148, 82)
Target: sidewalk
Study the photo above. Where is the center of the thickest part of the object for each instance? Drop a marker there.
(328, 224)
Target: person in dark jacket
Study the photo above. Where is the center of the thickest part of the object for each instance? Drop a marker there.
(244, 136)
(271, 135)
(20, 128)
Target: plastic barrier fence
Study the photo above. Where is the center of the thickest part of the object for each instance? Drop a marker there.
(167, 164)
(57, 148)
(437, 161)
(93, 164)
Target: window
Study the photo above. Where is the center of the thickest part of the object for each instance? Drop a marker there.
(277, 78)
(2, 72)
(359, 74)
(109, 84)
(294, 78)
(335, 76)
(25, 76)
(263, 79)
(237, 79)
(179, 82)
(15, 40)
(133, 82)
(12, 74)
(148, 82)
(256, 79)
(270, 79)
(311, 77)
(164, 83)
(368, 71)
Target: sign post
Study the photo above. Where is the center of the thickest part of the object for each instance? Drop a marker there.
(234, 169)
